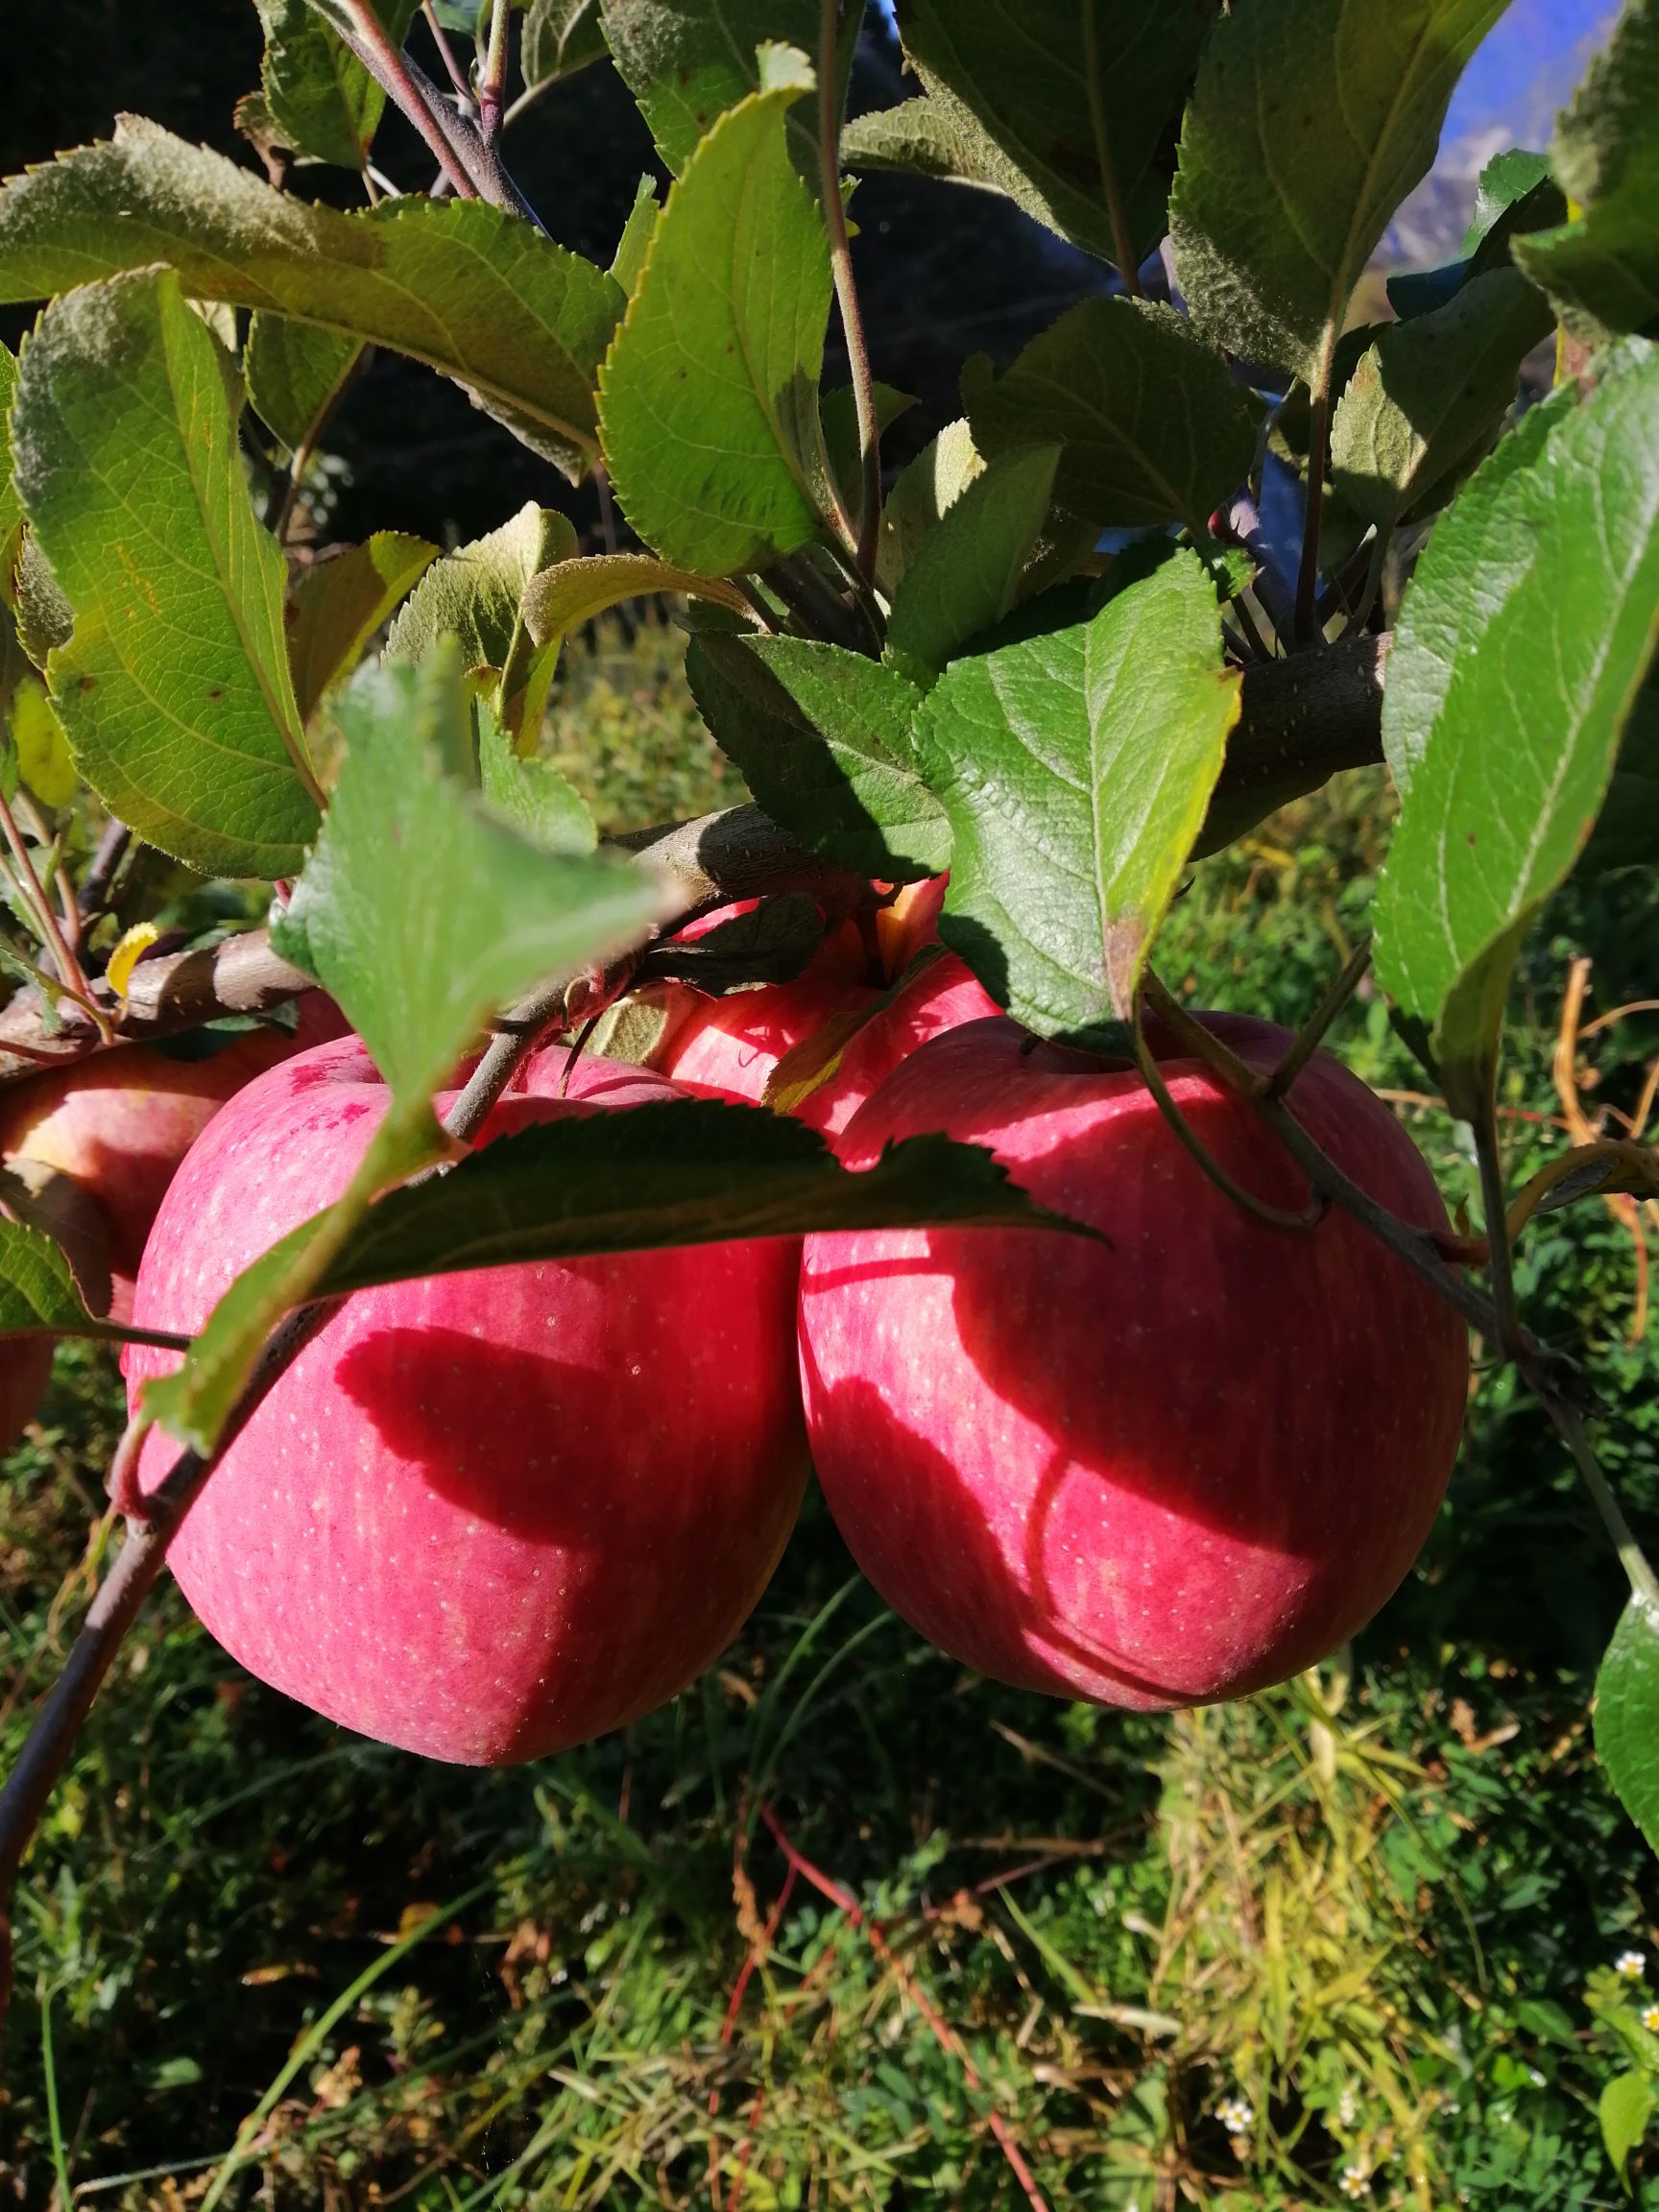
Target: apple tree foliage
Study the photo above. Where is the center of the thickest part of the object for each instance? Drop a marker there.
(1033, 662)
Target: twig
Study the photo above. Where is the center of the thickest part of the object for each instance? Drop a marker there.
(1122, 240)
(493, 81)
(113, 846)
(1308, 574)
(69, 970)
(846, 291)
(452, 68)
(366, 36)
(1643, 1582)
(938, 2027)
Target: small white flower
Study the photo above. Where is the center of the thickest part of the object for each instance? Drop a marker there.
(1502, 2115)
(1650, 2018)
(1348, 2106)
(1537, 2080)
(1236, 2114)
(1631, 1965)
(1354, 2182)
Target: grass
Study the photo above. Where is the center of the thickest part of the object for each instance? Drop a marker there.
(260, 1961)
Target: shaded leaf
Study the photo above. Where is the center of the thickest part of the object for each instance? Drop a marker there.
(44, 616)
(1429, 393)
(1627, 832)
(1031, 100)
(340, 602)
(1602, 269)
(1154, 430)
(174, 686)
(1076, 768)
(1554, 577)
(318, 95)
(708, 398)
(469, 288)
(685, 66)
(838, 412)
(1312, 121)
(773, 943)
(296, 374)
(1515, 194)
(559, 38)
(693, 1172)
(823, 740)
(561, 598)
(966, 573)
(11, 505)
(476, 595)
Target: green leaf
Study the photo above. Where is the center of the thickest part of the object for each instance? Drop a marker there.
(1627, 1715)
(1602, 269)
(1034, 100)
(38, 1288)
(1076, 768)
(687, 65)
(635, 243)
(1624, 2108)
(341, 602)
(966, 573)
(559, 38)
(695, 1172)
(1153, 426)
(469, 288)
(44, 757)
(174, 686)
(296, 375)
(44, 616)
(422, 912)
(924, 492)
(823, 740)
(1554, 579)
(1312, 121)
(532, 795)
(708, 398)
(1507, 179)
(1429, 393)
(320, 97)
(561, 598)
(1439, 617)
(11, 505)
(476, 595)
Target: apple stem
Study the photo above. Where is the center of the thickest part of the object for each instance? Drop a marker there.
(1275, 1216)
(1311, 1034)
(1570, 1426)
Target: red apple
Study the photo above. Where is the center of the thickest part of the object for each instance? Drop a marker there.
(730, 1047)
(483, 1516)
(120, 1122)
(1169, 1468)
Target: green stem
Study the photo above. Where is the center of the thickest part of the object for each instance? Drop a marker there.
(1318, 448)
(1495, 1207)
(1643, 1582)
(492, 81)
(847, 290)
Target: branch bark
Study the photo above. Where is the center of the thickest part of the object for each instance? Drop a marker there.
(1303, 720)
